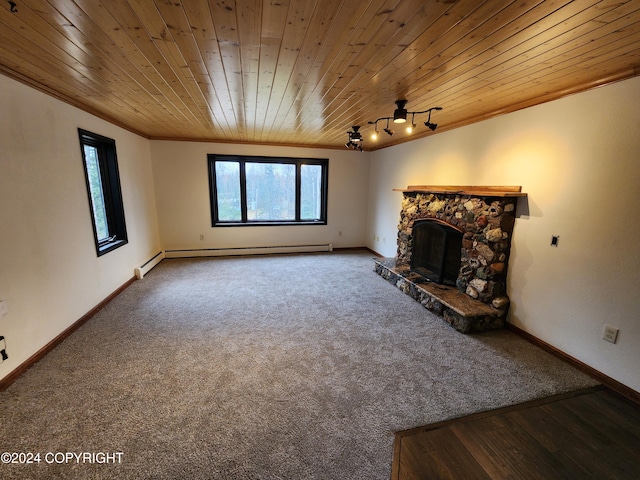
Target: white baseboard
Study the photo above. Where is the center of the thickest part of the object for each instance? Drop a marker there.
(219, 252)
(147, 266)
(141, 271)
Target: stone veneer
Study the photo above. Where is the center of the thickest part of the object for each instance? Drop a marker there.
(487, 218)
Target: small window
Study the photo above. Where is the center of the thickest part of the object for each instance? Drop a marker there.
(267, 191)
(105, 196)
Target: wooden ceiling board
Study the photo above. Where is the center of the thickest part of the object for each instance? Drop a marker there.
(45, 70)
(291, 56)
(198, 17)
(309, 92)
(456, 65)
(302, 72)
(364, 55)
(556, 69)
(114, 39)
(345, 98)
(99, 46)
(431, 55)
(488, 72)
(58, 60)
(436, 62)
(159, 47)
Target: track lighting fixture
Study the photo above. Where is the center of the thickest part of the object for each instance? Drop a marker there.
(428, 123)
(400, 116)
(389, 132)
(413, 124)
(355, 139)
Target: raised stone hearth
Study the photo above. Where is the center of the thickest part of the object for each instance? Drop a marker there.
(459, 310)
(486, 217)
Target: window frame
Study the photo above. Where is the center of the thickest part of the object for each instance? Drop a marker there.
(111, 191)
(243, 160)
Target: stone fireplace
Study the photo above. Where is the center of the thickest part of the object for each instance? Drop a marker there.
(453, 252)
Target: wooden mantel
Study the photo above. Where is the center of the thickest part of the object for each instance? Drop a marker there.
(479, 190)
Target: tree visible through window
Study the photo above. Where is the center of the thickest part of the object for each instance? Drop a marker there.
(96, 192)
(263, 190)
(103, 185)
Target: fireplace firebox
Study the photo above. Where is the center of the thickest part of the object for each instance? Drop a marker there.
(437, 249)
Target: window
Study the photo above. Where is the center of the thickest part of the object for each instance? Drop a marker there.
(103, 185)
(267, 191)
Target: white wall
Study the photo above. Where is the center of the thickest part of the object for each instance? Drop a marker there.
(577, 159)
(50, 275)
(182, 192)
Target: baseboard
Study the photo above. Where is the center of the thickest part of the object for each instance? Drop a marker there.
(146, 267)
(224, 252)
(373, 252)
(354, 249)
(607, 381)
(31, 361)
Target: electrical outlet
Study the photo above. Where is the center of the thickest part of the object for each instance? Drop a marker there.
(201, 237)
(610, 334)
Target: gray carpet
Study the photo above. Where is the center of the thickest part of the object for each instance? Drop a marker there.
(272, 367)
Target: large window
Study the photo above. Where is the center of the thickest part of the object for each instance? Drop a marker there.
(105, 196)
(267, 191)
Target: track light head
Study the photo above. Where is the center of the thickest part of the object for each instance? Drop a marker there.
(428, 123)
(400, 113)
(412, 126)
(355, 139)
(389, 132)
(355, 136)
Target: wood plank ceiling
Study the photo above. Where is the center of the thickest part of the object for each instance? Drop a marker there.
(302, 72)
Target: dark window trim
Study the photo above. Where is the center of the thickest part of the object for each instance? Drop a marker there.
(245, 222)
(112, 191)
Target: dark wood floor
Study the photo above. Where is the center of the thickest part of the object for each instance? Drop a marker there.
(591, 434)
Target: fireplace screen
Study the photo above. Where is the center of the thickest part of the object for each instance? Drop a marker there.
(436, 251)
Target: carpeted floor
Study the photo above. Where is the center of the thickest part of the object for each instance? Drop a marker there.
(269, 367)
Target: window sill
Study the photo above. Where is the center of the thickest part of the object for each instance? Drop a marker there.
(267, 224)
(108, 247)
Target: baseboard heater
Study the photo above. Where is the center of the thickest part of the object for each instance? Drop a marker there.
(141, 271)
(148, 265)
(220, 252)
